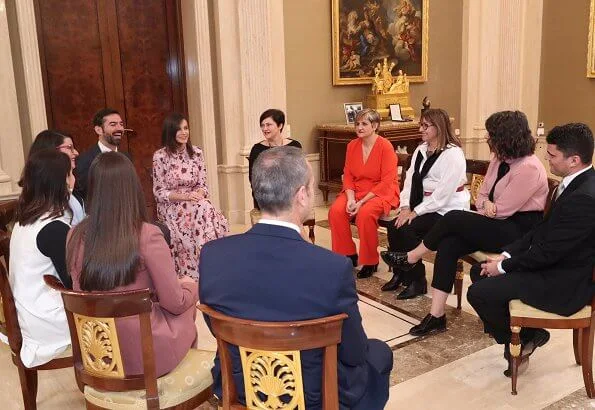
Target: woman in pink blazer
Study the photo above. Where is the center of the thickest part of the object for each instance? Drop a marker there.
(116, 249)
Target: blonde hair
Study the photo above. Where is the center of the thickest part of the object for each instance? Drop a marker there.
(370, 115)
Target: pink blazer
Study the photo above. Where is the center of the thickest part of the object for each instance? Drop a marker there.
(174, 311)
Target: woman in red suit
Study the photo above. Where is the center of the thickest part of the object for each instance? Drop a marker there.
(370, 190)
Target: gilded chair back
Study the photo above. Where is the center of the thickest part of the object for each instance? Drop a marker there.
(553, 187)
(95, 344)
(477, 169)
(270, 354)
(403, 164)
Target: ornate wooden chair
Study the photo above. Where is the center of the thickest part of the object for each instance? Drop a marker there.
(481, 256)
(27, 376)
(582, 324)
(98, 364)
(270, 354)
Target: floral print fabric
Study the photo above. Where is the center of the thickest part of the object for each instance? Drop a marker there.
(191, 224)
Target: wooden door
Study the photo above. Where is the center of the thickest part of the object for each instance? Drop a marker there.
(124, 54)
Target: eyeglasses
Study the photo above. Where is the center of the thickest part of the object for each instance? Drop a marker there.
(424, 125)
(68, 147)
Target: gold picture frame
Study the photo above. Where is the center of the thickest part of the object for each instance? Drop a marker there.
(364, 32)
(591, 43)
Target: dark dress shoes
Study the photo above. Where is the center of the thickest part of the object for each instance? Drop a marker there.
(416, 288)
(523, 365)
(397, 260)
(366, 271)
(540, 337)
(394, 283)
(353, 259)
(429, 325)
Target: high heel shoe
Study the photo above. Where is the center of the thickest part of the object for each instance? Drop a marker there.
(397, 260)
(366, 271)
(394, 283)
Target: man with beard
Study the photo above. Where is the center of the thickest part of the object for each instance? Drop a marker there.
(109, 127)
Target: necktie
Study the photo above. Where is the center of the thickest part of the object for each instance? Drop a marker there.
(503, 169)
(560, 190)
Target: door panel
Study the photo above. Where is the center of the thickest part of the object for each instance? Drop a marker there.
(124, 54)
(73, 73)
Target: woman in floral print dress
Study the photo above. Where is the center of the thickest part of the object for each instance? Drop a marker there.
(182, 196)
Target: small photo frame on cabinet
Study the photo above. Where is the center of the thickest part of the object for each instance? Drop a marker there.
(351, 110)
(395, 112)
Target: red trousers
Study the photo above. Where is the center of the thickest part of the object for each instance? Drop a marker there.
(366, 221)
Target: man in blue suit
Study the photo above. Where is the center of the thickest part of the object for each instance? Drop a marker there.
(271, 274)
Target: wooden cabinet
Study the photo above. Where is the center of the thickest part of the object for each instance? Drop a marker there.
(333, 142)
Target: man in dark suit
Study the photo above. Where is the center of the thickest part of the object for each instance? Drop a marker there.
(271, 274)
(109, 127)
(549, 268)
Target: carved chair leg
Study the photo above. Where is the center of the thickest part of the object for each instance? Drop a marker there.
(515, 354)
(587, 359)
(576, 344)
(28, 380)
(311, 234)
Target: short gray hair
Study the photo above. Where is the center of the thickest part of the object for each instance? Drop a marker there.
(277, 175)
(370, 115)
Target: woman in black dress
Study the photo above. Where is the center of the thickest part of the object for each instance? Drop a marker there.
(272, 122)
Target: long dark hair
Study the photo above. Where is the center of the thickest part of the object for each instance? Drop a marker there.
(110, 233)
(48, 139)
(44, 187)
(171, 126)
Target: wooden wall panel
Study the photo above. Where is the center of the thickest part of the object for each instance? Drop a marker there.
(70, 50)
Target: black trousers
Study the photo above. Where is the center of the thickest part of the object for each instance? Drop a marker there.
(459, 233)
(490, 296)
(408, 236)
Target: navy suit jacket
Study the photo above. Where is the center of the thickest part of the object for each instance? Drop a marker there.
(560, 251)
(271, 274)
(81, 171)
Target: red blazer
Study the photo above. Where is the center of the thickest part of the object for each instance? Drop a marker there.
(377, 175)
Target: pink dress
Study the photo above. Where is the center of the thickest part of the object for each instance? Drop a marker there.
(191, 224)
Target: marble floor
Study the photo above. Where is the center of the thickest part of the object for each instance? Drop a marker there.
(460, 368)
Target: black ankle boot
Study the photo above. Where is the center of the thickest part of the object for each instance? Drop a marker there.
(394, 283)
(417, 288)
(353, 259)
(398, 260)
(366, 271)
(429, 325)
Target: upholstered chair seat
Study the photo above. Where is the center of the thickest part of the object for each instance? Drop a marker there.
(187, 380)
(520, 309)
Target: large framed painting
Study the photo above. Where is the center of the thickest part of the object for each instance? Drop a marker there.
(591, 51)
(365, 32)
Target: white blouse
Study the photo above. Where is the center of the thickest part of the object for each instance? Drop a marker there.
(441, 183)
